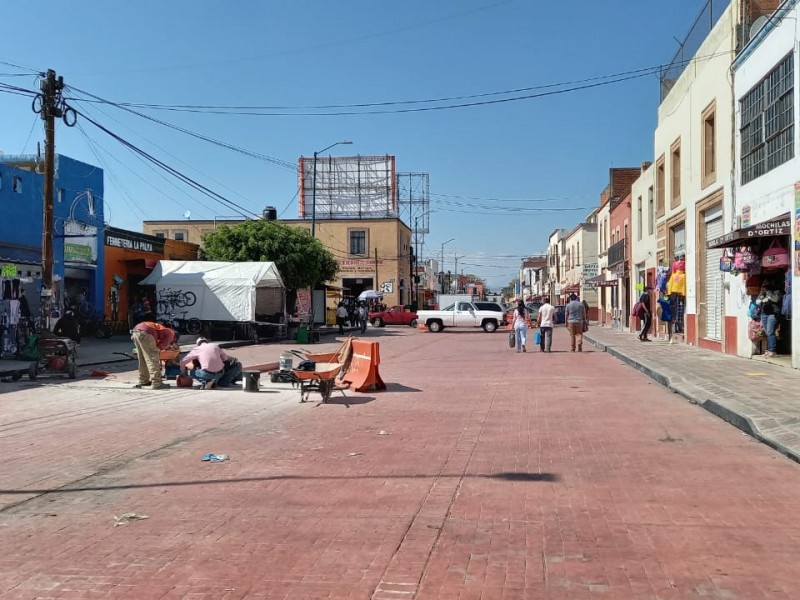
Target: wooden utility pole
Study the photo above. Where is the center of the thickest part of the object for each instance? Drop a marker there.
(50, 105)
(50, 88)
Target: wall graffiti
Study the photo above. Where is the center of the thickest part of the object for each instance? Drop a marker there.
(169, 299)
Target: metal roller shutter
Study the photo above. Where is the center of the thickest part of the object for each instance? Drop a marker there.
(713, 222)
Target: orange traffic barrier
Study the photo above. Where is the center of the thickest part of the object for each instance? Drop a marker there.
(363, 372)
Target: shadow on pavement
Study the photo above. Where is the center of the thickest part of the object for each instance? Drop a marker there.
(531, 477)
(348, 400)
(399, 387)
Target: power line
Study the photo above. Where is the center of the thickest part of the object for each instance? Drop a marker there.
(252, 154)
(574, 85)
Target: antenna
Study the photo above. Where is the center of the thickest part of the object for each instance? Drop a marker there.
(187, 214)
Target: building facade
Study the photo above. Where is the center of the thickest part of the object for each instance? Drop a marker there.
(580, 246)
(555, 264)
(643, 236)
(766, 203)
(78, 263)
(372, 253)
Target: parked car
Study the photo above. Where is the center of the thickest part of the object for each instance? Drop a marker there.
(396, 315)
(496, 307)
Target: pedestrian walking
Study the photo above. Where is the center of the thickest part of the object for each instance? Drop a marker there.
(341, 317)
(546, 320)
(575, 320)
(646, 315)
(521, 326)
(362, 317)
(150, 338)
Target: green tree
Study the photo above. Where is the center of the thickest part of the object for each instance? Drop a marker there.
(510, 290)
(302, 260)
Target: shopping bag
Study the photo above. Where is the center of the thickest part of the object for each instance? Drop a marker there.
(538, 338)
(512, 339)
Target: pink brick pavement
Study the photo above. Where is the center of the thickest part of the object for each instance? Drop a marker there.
(503, 475)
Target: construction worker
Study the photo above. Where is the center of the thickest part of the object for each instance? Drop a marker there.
(150, 338)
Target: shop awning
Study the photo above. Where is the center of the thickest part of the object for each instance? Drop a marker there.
(10, 253)
(775, 227)
(571, 289)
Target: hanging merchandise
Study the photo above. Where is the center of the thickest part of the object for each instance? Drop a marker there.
(775, 257)
(679, 265)
(744, 260)
(662, 277)
(726, 261)
(750, 260)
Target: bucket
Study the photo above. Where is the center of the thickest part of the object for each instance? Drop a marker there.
(302, 335)
(250, 380)
(285, 363)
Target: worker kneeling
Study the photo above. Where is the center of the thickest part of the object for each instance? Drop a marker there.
(210, 365)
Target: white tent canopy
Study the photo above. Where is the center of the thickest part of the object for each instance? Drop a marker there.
(217, 291)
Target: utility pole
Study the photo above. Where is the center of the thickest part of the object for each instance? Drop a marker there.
(416, 257)
(376, 270)
(49, 104)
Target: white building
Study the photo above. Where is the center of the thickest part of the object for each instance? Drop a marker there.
(767, 169)
(604, 316)
(580, 247)
(693, 162)
(643, 233)
(556, 261)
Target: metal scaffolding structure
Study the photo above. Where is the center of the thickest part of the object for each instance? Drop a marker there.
(413, 191)
(348, 187)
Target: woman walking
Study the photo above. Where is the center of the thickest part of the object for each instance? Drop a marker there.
(521, 326)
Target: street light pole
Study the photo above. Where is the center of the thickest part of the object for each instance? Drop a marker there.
(443, 243)
(314, 184)
(314, 227)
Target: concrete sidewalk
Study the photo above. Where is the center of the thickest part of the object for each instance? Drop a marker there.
(759, 398)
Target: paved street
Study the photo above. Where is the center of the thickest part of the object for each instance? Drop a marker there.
(479, 473)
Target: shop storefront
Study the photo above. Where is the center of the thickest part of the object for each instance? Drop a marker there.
(759, 257)
(129, 258)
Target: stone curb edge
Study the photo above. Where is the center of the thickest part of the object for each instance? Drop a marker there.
(741, 422)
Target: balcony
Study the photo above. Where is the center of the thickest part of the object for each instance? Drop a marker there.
(617, 253)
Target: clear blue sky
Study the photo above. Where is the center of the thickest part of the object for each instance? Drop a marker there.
(319, 52)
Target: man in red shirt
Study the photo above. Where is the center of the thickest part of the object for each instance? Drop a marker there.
(150, 339)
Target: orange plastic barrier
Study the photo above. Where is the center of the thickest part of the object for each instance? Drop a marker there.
(363, 372)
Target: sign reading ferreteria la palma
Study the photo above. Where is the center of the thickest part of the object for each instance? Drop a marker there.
(119, 238)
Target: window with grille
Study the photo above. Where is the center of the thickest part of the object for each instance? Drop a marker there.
(767, 122)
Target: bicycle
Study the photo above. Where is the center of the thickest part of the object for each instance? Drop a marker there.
(191, 326)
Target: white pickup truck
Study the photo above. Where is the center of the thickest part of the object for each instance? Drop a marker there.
(460, 314)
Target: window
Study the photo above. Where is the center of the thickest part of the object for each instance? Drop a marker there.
(675, 174)
(180, 236)
(578, 254)
(651, 216)
(766, 130)
(358, 242)
(678, 238)
(16, 184)
(709, 150)
(639, 218)
(160, 234)
(660, 183)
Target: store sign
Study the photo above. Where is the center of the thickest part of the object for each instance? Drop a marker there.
(129, 242)
(8, 271)
(358, 265)
(80, 243)
(591, 270)
(746, 215)
(778, 227)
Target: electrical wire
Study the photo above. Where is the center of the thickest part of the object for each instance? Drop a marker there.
(36, 119)
(252, 154)
(574, 85)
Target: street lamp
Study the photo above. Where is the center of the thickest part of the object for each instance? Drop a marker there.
(314, 184)
(443, 243)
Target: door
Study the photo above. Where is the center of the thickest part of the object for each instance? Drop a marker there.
(713, 284)
(465, 315)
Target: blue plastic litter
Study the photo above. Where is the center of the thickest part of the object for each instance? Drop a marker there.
(215, 457)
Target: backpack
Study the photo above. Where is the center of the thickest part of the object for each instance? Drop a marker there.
(637, 309)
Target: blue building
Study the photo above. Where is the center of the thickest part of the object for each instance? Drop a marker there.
(78, 226)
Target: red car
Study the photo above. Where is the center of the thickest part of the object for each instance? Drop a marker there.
(396, 315)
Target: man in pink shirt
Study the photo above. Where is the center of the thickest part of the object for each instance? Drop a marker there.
(208, 361)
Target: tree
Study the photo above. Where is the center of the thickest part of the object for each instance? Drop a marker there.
(510, 290)
(470, 278)
(302, 260)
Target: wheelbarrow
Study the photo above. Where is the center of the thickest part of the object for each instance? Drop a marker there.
(322, 379)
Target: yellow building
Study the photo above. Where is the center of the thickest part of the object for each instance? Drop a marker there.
(372, 253)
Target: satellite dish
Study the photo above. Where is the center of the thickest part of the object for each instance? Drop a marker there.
(757, 25)
(187, 214)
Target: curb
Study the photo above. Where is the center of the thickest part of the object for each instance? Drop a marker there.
(741, 422)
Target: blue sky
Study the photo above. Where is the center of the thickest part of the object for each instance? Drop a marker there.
(320, 52)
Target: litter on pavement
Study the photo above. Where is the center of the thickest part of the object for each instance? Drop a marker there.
(215, 457)
(128, 518)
